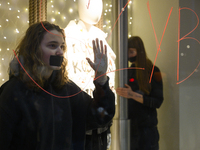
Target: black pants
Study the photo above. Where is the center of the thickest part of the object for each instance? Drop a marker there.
(96, 141)
(146, 138)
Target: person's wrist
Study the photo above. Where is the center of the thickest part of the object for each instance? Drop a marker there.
(101, 80)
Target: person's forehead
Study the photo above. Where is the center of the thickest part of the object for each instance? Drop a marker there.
(53, 35)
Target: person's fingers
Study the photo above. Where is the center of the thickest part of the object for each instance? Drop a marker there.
(94, 49)
(97, 45)
(126, 85)
(105, 47)
(101, 44)
(91, 63)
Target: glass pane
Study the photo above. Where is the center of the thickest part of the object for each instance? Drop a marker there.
(13, 23)
(79, 36)
(170, 32)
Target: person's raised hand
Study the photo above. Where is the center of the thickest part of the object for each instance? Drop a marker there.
(100, 63)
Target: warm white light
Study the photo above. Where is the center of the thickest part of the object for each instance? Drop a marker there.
(0, 4)
(105, 14)
(64, 17)
(17, 16)
(104, 26)
(2, 79)
(53, 20)
(131, 18)
(106, 4)
(110, 10)
(52, 11)
(0, 26)
(0, 49)
(2, 58)
(0, 73)
(8, 49)
(27, 21)
(130, 22)
(18, 10)
(188, 46)
(17, 30)
(7, 20)
(52, 6)
(26, 9)
(70, 10)
(10, 9)
(106, 10)
(58, 12)
(130, 2)
(110, 5)
(8, 3)
(4, 37)
(51, 1)
(129, 35)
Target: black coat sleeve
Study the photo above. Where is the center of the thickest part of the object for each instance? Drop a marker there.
(155, 98)
(9, 116)
(101, 108)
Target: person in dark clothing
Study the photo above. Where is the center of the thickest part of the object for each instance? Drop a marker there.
(145, 94)
(40, 108)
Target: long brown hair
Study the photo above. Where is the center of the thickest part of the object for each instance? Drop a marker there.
(30, 54)
(142, 61)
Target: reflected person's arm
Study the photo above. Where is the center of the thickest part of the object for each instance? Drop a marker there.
(128, 93)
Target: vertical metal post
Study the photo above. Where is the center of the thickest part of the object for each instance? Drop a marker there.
(124, 123)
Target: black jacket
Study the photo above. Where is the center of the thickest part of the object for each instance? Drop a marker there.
(32, 120)
(145, 115)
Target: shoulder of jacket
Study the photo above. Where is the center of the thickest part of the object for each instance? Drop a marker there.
(157, 74)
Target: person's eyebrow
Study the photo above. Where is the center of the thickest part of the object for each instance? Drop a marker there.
(55, 42)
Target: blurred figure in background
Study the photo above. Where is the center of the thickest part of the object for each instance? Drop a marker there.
(144, 97)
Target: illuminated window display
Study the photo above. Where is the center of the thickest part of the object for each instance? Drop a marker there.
(180, 96)
(13, 22)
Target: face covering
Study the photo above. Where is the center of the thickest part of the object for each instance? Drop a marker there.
(132, 59)
(55, 60)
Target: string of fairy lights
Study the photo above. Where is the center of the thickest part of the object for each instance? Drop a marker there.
(14, 21)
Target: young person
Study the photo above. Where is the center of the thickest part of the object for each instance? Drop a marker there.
(144, 95)
(51, 112)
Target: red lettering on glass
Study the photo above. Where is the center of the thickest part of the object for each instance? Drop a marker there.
(184, 38)
(88, 4)
(157, 43)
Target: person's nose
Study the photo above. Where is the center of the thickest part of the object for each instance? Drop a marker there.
(59, 51)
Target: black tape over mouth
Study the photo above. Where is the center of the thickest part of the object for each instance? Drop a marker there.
(55, 60)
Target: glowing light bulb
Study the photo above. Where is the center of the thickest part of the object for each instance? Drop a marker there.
(18, 10)
(7, 20)
(8, 49)
(53, 20)
(52, 6)
(10, 9)
(4, 37)
(18, 17)
(70, 10)
(64, 17)
(17, 30)
(8, 3)
(59, 13)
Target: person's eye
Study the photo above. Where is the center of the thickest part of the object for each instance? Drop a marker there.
(52, 45)
(62, 47)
